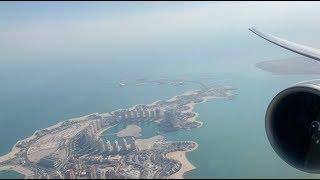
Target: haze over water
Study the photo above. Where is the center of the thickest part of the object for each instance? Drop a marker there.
(63, 60)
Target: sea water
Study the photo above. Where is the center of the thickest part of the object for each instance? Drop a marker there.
(43, 88)
(11, 175)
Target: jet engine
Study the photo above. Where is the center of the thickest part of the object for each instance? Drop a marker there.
(292, 125)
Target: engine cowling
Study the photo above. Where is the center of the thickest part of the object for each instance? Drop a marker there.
(293, 126)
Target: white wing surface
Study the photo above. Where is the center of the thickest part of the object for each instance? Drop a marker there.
(297, 48)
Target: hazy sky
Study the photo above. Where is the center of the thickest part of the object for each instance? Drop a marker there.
(57, 58)
(29, 28)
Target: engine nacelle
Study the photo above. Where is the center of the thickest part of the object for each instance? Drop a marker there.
(293, 126)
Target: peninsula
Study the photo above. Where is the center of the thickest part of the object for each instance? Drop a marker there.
(75, 149)
(290, 66)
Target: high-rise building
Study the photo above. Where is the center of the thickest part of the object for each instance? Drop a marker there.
(151, 113)
(117, 115)
(111, 174)
(169, 121)
(140, 113)
(70, 174)
(121, 144)
(118, 148)
(93, 172)
(92, 130)
(133, 144)
(157, 113)
(95, 126)
(109, 146)
(169, 115)
(100, 174)
(89, 131)
(146, 113)
(102, 145)
(106, 121)
(134, 114)
(126, 144)
(99, 125)
(123, 115)
(128, 114)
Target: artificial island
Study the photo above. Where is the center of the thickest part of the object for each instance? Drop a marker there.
(75, 148)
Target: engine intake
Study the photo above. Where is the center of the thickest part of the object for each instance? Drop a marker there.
(293, 126)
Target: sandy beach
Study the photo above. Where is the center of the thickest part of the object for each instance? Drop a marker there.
(144, 144)
(186, 165)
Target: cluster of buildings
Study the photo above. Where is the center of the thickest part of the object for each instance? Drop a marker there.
(92, 172)
(94, 127)
(173, 120)
(118, 146)
(86, 144)
(84, 155)
(89, 167)
(137, 114)
(153, 163)
(170, 120)
(140, 112)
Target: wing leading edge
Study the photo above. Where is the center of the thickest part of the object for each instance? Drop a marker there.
(297, 48)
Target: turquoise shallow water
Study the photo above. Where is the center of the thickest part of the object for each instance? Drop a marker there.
(52, 73)
(232, 141)
(10, 175)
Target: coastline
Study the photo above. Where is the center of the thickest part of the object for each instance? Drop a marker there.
(190, 110)
(181, 156)
(10, 155)
(19, 169)
(186, 164)
(130, 130)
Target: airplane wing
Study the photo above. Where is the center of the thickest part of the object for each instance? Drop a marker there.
(297, 48)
